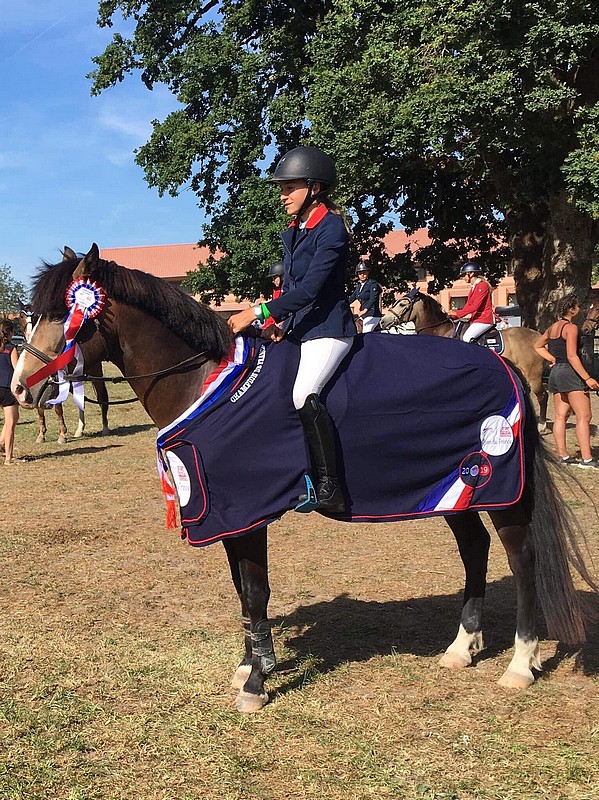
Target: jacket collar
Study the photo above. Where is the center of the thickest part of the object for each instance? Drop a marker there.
(315, 218)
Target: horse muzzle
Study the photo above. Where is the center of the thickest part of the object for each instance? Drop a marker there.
(36, 397)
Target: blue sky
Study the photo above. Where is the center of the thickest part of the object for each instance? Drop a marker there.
(67, 175)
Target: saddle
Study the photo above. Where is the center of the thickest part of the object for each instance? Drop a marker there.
(491, 339)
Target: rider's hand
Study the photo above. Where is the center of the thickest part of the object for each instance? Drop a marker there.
(242, 320)
(451, 314)
(592, 384)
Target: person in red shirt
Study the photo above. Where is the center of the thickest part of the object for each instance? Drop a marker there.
(479, 308)
(276, 273)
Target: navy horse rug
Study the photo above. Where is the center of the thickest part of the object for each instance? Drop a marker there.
(426, 426)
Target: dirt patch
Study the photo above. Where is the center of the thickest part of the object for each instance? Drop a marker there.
(118, 642)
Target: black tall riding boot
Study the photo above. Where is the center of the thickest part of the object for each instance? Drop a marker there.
(320, 436)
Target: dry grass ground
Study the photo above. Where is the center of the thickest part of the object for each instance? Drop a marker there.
(118, 641)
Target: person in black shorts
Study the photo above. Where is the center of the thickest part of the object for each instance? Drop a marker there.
(569, 382)
(8, 360)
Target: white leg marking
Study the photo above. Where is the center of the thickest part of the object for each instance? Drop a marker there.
(519, 675)
(460, 651)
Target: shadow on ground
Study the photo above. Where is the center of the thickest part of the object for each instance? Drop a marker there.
(327, 634)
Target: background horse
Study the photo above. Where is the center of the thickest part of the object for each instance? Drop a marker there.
(167, 346)
(429, 317)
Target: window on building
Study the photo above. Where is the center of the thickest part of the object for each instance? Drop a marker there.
(457, 302)
(511, 299)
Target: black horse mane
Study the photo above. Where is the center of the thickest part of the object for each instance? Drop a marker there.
(194, 323)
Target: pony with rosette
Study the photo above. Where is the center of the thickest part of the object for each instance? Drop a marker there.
(453, 440)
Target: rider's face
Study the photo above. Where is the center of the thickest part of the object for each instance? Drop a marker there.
(293, 194)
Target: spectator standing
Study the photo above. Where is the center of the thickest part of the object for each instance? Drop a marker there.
(8, 361)
(569, 382)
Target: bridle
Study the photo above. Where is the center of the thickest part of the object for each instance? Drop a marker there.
(593, 320)
(180, 366)
(412, 297)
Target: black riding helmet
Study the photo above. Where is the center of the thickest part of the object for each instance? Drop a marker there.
(307, 163)
(278, 268)
(470, 266)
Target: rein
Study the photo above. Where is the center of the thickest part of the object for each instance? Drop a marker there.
(118, 378)
(408, 310)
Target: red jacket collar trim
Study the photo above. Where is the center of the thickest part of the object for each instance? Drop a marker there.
(316, 217)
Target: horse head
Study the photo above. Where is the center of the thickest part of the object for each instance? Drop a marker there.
(401, 311)
(44, 319)
(591, 319)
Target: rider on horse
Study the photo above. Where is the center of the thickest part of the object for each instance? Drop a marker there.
(313, 306)
(479, 308)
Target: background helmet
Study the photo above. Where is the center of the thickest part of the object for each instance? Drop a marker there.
(469, 266)
(278, 268)
(362, 267)
(309, 163)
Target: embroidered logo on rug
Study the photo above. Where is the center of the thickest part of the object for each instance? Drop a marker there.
(180, 476)
(496, 435)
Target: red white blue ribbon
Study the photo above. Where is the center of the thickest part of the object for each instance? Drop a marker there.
(85, 300)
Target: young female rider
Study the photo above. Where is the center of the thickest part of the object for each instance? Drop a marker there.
(478, 308)
(569, 381)
(313, 304)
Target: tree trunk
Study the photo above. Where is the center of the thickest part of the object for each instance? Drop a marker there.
(552, 247)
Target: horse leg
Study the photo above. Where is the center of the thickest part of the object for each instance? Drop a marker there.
(248, 562)
(80, 424)
(62, 426)
(542, 398)
(473, 542)
(41, 418)
(516, 539)
(102, 397)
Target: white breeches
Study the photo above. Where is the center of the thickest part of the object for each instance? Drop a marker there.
(319, 358)
(370, 323)
(475, 329)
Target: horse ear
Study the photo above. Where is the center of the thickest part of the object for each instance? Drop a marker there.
(87, 264)
(68, 254)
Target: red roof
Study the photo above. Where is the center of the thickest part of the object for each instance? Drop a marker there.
(169, 261)
(174, 261)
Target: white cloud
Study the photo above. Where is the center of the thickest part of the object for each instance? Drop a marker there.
(138, 128)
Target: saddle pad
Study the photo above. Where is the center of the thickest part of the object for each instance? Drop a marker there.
(426, 426)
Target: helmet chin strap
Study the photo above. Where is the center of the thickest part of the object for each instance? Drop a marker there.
(308, 200)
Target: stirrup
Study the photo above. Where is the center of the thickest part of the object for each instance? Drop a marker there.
(308, 501)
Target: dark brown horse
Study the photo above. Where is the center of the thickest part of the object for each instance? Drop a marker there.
(429, 317)
(167, 345)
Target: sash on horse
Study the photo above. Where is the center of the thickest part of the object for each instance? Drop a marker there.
(426, 426)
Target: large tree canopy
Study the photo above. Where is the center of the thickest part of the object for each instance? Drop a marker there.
(475, 118)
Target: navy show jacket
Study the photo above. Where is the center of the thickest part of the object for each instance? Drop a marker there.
(369, 295)
(313, 302)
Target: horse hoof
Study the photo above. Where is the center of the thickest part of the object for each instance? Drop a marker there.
(454, 661)
(247, 703)
(78, 435)
(40, 439)
(105, 432)
(62, 440)
(514, 680)
(242, 673)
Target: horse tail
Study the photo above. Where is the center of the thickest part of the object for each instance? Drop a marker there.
(557, 537)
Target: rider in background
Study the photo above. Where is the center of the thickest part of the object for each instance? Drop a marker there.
(569, 382)
(367, 299)
(313, 304)
(275, 273)
(479, 307)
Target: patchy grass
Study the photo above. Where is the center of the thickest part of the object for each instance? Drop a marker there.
(117, 644)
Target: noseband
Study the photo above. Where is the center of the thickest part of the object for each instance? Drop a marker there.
(412, 297)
